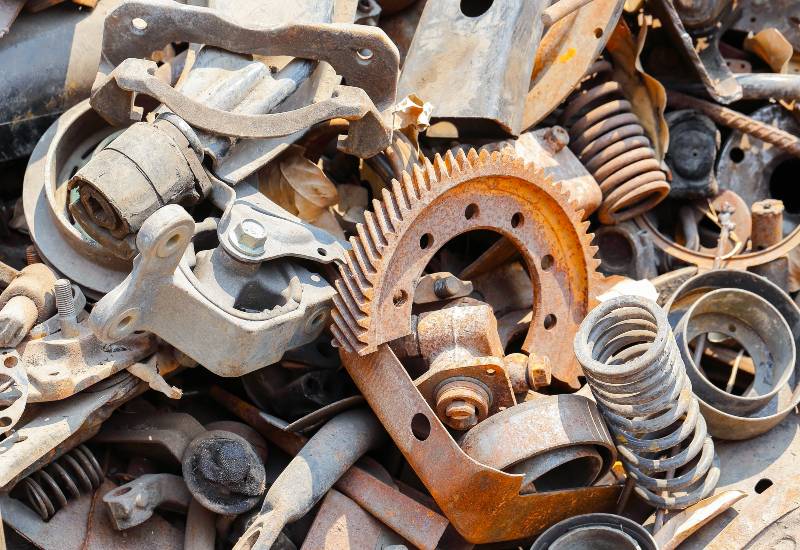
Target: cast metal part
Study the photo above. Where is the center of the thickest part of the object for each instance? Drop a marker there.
(132, 504)
(223, 472)
(767, 220)
(51, 488)
(693, 147)
(482, 503)
(264, 308)
(556, 441)
(596, 532)
(62, 244)
(500, 37)
(634, 369)
(451, 196)
(739, 427)
(625, 249)
(754, 16)
(767, 339)
(311, 473)
(14, 389)
(363, 55)
(608, 138)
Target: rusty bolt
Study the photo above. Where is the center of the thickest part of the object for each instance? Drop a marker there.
(538, 373)
(249, 237)
(462, 403)
(556, 138)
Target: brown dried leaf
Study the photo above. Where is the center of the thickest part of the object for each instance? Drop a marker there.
(771, 46)
(646, 94)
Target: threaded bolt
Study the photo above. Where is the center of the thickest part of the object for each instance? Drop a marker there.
(65, 304)
(462, 403)
(31, 255)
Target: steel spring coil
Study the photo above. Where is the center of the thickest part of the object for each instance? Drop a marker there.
(608, 138)
(635, 371)
(49, 489)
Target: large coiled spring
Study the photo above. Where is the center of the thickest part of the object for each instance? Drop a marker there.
(49, 489)
(608, 138)
(634, 369)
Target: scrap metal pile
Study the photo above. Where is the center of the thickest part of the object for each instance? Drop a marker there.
(376, 274)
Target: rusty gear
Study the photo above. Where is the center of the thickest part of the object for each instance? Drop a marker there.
(442, 199)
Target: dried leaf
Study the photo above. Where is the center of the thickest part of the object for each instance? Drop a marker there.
(771, 46)
(301, 187)
(412, 111)
(646, 94)
(632, 6)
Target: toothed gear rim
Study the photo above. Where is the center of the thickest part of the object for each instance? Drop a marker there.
(428, 208)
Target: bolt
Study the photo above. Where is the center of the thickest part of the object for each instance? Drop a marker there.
(65, 304)
(555, 139)
(446, 287)
(31, 255)
(462, 403)
(539, 373)
(250, 237)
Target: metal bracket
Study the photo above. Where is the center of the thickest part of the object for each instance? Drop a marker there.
(162, 275)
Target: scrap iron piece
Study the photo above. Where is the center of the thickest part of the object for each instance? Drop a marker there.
(14, 389)
(61, 151)
(745, 427)
(684, 524)
(49, 489)
(635, 371)
(767, 220)
(451, 196)
(693, 148)
(703, 28)
(608, 137)
(565, 53)
(260, 309)
(596, 531)
(223, 472)
(556, 441)
(132, 504)
(625, 249)
(39, 440)
(414, 522)
(364, 56)
(499, 39)
(28, 298)
(311, 473)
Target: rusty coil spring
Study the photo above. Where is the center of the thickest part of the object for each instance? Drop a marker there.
(634, 369)
(49, 489)
(608, 138)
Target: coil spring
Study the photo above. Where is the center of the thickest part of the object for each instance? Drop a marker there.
(49, 489)
(633, 367)
(608, 138)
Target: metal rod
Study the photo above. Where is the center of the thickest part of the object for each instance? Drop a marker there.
(560, 10)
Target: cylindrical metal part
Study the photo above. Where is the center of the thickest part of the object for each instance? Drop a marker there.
(65, 305)
(767, 230)
(596, 532)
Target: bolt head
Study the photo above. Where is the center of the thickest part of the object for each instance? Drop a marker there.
(250, 236)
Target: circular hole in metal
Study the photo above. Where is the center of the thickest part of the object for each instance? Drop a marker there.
(364, 54)
(5, 422)
(475, 8)
(598, 33)
(10, 362)
(420, 426)
(517, 220)
(426, 241)
(549, 321)
(737, 155)
(55, 373)
(399, 298)
(732, 327)
(172, 243)
(547, 262)
(616, 252)
(762, 485)
(139, 25)
(124, 323)
(322, 252)
(471, 211)
(122, 491)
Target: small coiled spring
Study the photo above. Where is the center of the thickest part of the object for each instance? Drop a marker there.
(635, 371)
(49, 489)
(608, 138)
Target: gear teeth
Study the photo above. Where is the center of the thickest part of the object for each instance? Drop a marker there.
(389, 219)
